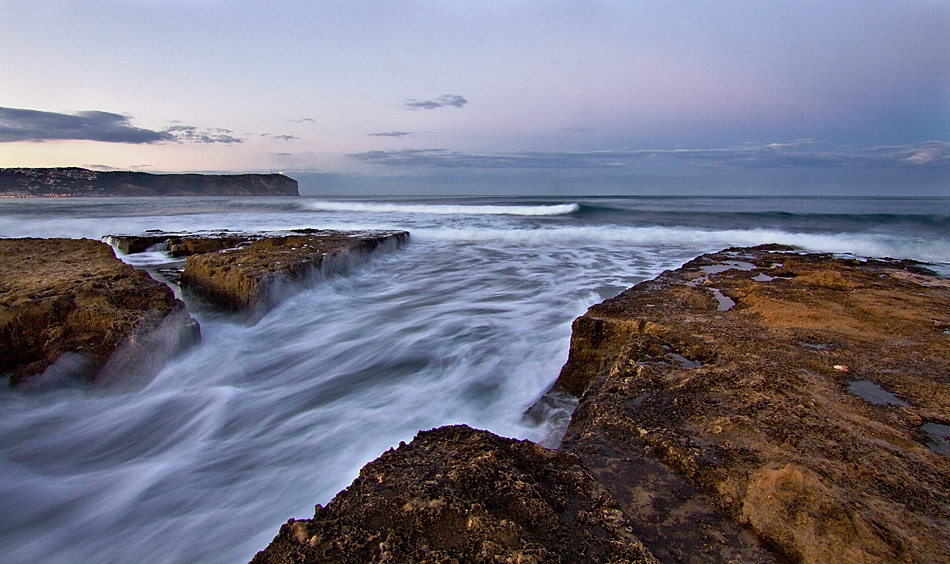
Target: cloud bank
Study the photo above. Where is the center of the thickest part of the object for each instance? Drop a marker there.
(32, 125)
(17, 125)
(453, 100)
(796, 154)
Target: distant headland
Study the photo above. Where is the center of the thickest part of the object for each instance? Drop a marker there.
(80, 182)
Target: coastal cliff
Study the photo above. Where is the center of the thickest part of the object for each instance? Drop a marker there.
(755, 405)
(60, 182)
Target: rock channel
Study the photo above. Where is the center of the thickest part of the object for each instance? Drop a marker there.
(755, 405)
(71, 312)
(252, 271)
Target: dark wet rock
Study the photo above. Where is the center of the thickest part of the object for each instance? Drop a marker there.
(765, 431)
(69, 309)
(455, 494)
(256, 273)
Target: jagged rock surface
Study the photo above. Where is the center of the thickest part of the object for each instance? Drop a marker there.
(455, 494)
(736, 374)
(70, 307)
(250, 276)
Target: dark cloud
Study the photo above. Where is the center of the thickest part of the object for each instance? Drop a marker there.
(302, 120)
(453, 100)
(32, 125)
(796, 154)
(394, 134)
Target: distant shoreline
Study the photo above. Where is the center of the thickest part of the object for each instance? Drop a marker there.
(74, 182)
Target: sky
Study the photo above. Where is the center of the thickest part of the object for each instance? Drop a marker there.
(490, 97)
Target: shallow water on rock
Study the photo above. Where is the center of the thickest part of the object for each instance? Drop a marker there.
(872, 393)
(939, 437)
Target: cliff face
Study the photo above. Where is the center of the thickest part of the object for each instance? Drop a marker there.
(69, 309)
(35, 182)
(755, 405)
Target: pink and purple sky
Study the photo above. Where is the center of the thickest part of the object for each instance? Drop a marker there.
(791, 97)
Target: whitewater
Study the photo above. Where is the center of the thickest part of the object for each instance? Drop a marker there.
(469, 323)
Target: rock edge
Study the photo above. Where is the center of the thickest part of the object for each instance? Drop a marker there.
(69, 309)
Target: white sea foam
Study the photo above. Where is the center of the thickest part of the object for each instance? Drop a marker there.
(704, 240)
(443, 209)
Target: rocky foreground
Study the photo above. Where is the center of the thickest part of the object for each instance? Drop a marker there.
(755, 405)
(71, 311)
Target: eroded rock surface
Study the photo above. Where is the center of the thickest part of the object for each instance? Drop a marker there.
(252, 276)
(70, 309)
(250, 271)
(455, 494)
(736, 375)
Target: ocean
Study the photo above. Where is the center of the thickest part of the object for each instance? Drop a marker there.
(470, 323)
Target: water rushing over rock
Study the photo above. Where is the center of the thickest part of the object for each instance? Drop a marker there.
(470, 323)
(759, 453)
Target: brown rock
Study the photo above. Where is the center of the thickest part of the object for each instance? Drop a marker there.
(180, 244)
(252, 276)
(455, 494)
(69, 308)
(738, 375)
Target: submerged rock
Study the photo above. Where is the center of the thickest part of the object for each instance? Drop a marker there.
(455, 494)
(70, 310)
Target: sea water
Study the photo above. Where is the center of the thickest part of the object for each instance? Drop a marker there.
(469, 323)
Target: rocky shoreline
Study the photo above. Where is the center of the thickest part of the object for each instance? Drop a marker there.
(72, 313)
(755, 405)
(251, 272)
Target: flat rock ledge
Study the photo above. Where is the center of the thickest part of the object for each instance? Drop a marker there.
(241, 272)
(755, 405)
(71, 311)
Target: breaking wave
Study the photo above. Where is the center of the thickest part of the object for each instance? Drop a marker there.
(445, 209)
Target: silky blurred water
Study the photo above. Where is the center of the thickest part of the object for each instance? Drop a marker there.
(469, 323)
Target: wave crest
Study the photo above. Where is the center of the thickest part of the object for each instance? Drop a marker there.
(445, 209)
